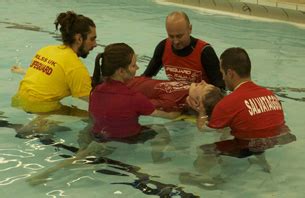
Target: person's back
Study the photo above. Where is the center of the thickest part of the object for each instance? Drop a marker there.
(51, 76)
(250, 111)
(116, 108)
(113, 107)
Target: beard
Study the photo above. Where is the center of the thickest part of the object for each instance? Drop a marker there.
(81, 51)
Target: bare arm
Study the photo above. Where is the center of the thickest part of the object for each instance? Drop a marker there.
(202, 117)
(163, 114)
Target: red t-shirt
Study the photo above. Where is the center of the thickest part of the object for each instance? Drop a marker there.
(184, 68)
(115, 109)
(165, 95)
(250, 111)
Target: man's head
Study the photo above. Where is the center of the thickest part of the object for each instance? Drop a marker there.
(235, 66)
(178, 29)
(77, 31)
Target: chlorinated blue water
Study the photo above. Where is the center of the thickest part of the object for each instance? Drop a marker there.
(277, 53)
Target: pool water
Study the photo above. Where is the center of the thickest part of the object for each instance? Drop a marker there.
(277, 54)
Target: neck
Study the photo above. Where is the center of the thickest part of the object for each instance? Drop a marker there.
(241, 81)
(74, 47)
(117, 78)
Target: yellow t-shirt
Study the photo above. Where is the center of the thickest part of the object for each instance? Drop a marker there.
(55, 72)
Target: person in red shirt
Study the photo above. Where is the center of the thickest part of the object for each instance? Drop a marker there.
(183, 57)
(114, 110)
(169, 95)
(180, 96)
(253, 114)
(113, 107)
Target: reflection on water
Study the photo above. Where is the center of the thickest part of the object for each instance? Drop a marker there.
(15, 153)
(13, 179)
(11, 161)
(56, 193)
(144, 183)
(296, 94)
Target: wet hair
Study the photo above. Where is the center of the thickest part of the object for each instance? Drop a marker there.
(211, 99)
(236, 59)
(115, 56)
(72, 24)
(177, 13)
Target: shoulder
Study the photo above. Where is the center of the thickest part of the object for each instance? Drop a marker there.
(161, 44)
(48, 48)
(229, 100)
(114, 87)
(206, 48)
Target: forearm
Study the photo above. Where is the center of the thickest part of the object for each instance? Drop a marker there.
(153, 68)
(164, 114)
(155, 63)
(201, 120)
(211, 63)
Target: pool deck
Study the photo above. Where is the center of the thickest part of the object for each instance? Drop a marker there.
(292, 11)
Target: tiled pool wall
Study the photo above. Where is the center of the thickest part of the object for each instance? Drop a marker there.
(293, 13)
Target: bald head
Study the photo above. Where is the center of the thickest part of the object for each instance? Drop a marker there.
(178, 29)
(178, 16)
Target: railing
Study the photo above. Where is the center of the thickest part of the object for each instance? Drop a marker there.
(296, 5)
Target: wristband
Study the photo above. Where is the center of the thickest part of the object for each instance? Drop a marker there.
(203, 117)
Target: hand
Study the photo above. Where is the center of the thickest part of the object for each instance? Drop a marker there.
(195, 105)
(192, 103)
(201, 122)
(17, 69)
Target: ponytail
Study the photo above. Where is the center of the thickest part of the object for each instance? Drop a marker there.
(96, 78)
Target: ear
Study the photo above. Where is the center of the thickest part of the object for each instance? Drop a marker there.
(230, 73)
(78, 38)
(119, 71)
(191, 28)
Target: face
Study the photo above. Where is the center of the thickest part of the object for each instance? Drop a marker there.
(198, 91)
(179, 32)
(88, 44)
(131, 70)
(226, 78)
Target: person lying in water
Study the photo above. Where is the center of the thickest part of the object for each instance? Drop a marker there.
(180, 96)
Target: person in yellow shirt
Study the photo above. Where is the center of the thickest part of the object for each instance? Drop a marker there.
(56, 71)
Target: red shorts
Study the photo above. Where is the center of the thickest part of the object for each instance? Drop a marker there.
(244, 148)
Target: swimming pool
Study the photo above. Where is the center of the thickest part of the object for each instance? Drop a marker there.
(277, 52)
